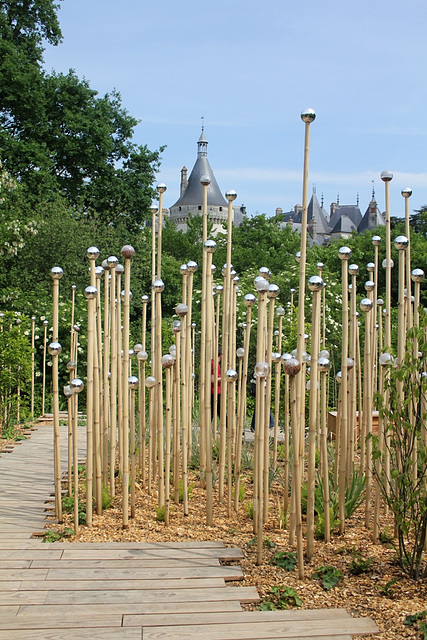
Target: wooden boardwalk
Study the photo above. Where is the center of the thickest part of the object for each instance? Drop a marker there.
(158, 591)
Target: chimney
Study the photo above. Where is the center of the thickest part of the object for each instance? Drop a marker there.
(184, 180)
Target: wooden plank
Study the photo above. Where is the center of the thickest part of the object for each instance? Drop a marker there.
(159, 607)
(131, 563)
(240, 594)
(60, 622)
(22, 574)
(248, 617)
(226, 553)
(140, 573)
(15, 564)
(23, 597)
(29, 554)
(215, 544)
(130, 633)
(298, 629)
(118, 585)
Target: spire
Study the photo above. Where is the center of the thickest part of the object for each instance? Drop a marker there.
(202, 143)
(373, 190)
(321, 201)
(338, 198)
(357, 199)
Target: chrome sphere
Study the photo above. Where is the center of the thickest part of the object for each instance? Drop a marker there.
(298, 257)
(137, 347)
(153, 209)
(231, 375)
(324, 364)
(353, 269)
(205, 181)
(176, 326)
(91, 292)
(105, 265)
(380, 302)
(386, 358)
(350, 363)
(401, 243)
(338, 377)
(184, 269)
(77, 385)
(369, 285)
(120, 269)
(191, 266)
(240, 353)
(280, 311)
(181, 309)
(123, 293)
(324, 353)
(144, 299)
(417, 275)
(76, 327)
(370, 267)
(231, 195)
(158, 286)
(291, 366)
(275, 356)
(308, 116)
(406, 193)
(142, 356)
(315, 283)
(172, 350)
(249, 299)
(113, 261)
(261, 285)
(150, 381)
(213, 268)
(384, 263)
(376, 240)
(366, 304)
(386, 176)
(56, 273)
(68, 391)
(71, 365)
(273, 291)
(127, 251)
(54, 348)
(210, 246)
(219, 288)
(320, 265)
(133, 382)
(264, 272)
(93, 253)
(286, 356)
(98, 272)
(262, 370)
(168, 360)
(161, 188)
(344, 253)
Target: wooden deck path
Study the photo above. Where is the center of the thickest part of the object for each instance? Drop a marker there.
(158, 591)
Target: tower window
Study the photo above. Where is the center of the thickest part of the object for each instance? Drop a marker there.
(220, 208)
(199, 207)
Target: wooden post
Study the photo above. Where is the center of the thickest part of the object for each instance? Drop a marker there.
(55, 350)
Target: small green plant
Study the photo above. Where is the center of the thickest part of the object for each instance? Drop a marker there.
(354, 492)
(319, 529)
(386, 589)
(285, 560)
(55, 536)
(328, 576)
(281, 597)
(181, 490)
(250, 509)
(160, 514)
(418, 620)
(359, 564)
(106, 498)
(386, 536)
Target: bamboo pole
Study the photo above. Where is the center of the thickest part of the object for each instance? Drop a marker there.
(133, 385)
(344, 254)
(315, 285)
(127, 253)
(33, 326)
(45, 326)
(54, 351)
(208, 364)
(182, 312)
(324, 367)
(366, 305)
(168, 362)
(113, 262)
(105, 374)
(386, 177)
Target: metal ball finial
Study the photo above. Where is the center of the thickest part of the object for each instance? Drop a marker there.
(54, 348)
(191, 266)
(133, 382)
(308, 116)
(91, 292)
(158, 286)
(376, 240)
(210, 246)
(315, 283)
(56, 273)
(161, 188)
(273, 291)
(344, 253)
(401, 243)
(262, 370)
(291, 366)
(205, 181)
(127, 251)
(231, 195)
(406, 193)
(366, 304)
(93, 253)
(113, 261)
(353, 269)
(417, 275)
(386, 176)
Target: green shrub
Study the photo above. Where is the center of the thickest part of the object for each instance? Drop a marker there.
(328, 576)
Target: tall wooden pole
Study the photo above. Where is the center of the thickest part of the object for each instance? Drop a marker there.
(386, 177)
(344, 254)
(113, 262)
(55, 350)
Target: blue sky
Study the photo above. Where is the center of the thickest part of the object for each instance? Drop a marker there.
(250, 68)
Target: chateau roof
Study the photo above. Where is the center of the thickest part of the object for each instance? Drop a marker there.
(193, 194)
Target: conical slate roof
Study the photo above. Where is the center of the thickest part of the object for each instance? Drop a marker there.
(193, 194)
